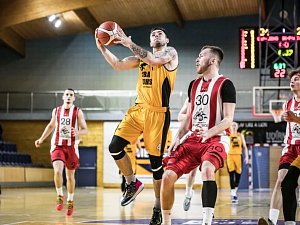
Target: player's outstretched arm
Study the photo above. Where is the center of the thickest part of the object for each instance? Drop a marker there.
(167, 55)
(127, 63)
(48, 130)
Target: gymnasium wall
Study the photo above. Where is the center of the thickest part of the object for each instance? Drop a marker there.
(24, 133)
(74, 61)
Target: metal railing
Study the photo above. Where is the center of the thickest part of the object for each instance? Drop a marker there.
(88, 100)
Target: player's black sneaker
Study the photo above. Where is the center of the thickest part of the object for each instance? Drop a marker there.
(131, 191)
(156, 217)
(263, 221)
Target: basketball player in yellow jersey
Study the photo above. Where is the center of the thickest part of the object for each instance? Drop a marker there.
(150, 116)
(234, 159)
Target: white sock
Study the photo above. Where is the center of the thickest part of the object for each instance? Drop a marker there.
(232, 192)
(70, 196)
(289, 223)
(235, 191)
(166, 216)
(208, 214)
(273, 215)
(130, 178)
(59, 191)
(189, 191)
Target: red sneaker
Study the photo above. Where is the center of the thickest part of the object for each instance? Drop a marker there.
(59, 202)
(70, 208)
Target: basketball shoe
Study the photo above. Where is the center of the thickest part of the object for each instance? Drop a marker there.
(156, 217)
(234, 199)
(70, 208)
(263, 221)
(187, 202)
(131, 191)
(59, 202)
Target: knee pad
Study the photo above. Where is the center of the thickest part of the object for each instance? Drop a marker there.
(156, 165)
(116, 147)
(157, 175)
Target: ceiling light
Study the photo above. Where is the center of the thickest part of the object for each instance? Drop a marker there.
(57, 23)
(51, 18)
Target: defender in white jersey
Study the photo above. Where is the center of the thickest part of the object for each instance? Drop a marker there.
(212, 99)
(291, 150)
(67, 122)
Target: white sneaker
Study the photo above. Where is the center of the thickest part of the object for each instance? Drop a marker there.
(187, 202)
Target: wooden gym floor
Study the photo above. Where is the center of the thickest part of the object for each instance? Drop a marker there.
(35, 206)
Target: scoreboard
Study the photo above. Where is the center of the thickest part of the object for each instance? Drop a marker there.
(278, 48)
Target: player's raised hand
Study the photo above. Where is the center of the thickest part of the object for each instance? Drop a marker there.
(123, 39)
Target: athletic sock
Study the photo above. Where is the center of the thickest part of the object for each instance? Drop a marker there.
(130, 178)
(188, 191)
(70, 196)
(166, 215)
(273, 215)
(59, 191)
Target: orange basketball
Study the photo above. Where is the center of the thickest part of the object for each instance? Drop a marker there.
(107, 32)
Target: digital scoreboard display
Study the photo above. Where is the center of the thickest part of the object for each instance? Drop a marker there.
(280, 49)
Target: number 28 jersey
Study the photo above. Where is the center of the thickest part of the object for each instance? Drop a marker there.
(65, 120)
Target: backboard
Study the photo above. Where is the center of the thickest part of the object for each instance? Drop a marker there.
(268, 98)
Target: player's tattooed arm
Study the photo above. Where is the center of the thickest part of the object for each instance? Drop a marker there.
(138, 51)
(169, 53)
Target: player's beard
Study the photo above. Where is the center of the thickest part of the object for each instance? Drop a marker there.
(157, 44)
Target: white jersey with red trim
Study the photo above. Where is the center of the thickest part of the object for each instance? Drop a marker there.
(292, 135)
(65, 119)
(207, 105)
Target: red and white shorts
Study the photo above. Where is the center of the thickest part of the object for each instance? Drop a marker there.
(290, 153)
(192, 152)
(67, 154)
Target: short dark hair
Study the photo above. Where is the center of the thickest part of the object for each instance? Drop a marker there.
(71, 89)
(215, 50)
(294, 72)
(159, 28)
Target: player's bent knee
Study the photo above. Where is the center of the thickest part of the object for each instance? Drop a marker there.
(115, 152)
(168, 178)
(157, 175)
(116, 147)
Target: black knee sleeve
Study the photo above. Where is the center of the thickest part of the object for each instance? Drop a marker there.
(116, 147)
(157, 168)
(231, 179)
(289, 199)
(237, 179)
(209, 194)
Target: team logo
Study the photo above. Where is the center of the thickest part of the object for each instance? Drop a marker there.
(296, 130)
(200, 116)
(65, 132)
(142, 66)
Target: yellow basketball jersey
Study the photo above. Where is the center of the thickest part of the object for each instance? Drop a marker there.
(155, 85)
(235, 144)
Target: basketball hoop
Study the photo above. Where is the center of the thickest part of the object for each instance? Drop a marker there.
(277, 113)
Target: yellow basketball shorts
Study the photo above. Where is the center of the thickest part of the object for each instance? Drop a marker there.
(296, 162)
(153, 125)
(234, 163)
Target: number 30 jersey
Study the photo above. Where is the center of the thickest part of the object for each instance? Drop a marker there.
(207, 103)
(65, 120)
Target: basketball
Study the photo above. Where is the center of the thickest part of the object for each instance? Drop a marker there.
(107, 32)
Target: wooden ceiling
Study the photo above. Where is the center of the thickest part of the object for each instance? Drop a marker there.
(23, 20)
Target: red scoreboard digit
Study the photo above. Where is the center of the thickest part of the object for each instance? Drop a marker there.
(281, 49)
